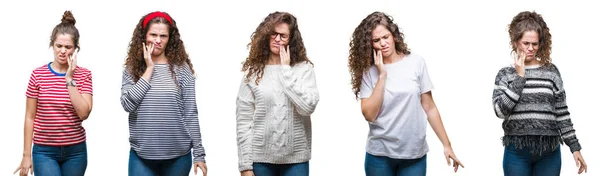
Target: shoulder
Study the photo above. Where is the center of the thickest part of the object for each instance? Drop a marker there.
(83, 71)
(304, 66)
(553, 68)
(43, 68)
(185, 71)
(507, 70)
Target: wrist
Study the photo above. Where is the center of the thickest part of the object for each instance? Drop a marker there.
(382, 74)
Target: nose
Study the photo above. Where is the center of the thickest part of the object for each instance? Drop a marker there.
(63, 50)
(382, 43)
(278, 37)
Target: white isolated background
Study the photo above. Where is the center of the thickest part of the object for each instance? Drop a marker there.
(464, 44)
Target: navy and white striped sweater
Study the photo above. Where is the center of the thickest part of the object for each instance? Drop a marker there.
(163, 116)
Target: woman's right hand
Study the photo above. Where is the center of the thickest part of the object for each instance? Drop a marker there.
(148, 54)
(520, 63)
(247, 173)
(378, 58)
(25, 166)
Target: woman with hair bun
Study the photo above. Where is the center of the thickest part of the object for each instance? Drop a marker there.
(530, 98)
(59, 99)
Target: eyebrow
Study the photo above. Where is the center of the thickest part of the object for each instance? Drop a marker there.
(382, 36)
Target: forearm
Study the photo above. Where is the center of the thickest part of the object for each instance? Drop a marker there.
(372, 105)
(28, 136)
(132, 93)
(148, 73)
(435, 120)
(81, 105)
(301, 89)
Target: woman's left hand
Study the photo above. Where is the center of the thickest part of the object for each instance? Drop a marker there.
(449, 153)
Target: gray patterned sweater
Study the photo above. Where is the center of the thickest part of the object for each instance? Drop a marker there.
(534, 109)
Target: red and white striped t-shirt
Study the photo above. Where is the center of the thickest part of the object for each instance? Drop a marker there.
(56, 122)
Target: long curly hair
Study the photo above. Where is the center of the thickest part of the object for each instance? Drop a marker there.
(531, 21)
(174, 51)
(66, 26)
(259, 45)
(361, 46)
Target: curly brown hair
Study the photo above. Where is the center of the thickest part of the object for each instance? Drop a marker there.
(361, 46)
(531, 21)
(259, 45)
(174, 51)
(66, 26)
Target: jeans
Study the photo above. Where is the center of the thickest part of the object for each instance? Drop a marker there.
(266, 169)
(180, 166)
(386, 166)
(59, 160)
(521, 162)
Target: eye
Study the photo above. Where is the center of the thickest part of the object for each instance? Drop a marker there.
(386, 37)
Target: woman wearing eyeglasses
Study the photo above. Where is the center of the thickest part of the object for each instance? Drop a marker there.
(277, 95)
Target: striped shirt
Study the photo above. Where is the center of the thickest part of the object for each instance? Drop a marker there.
(163, 116)
(56, 122)
(534, 109)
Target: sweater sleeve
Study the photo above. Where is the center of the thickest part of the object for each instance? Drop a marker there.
(300, 86)
(190, 112)
(132, 93)
(563, 118)
(507, 93)
(245, 106)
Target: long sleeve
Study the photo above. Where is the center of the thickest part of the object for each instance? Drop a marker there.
(563, 118)
(245, 106)
(507, 93)
(190, 113)
(300, 85)
(132, 93)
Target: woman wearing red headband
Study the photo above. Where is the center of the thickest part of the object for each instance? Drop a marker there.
(158, 91)
(59, 99)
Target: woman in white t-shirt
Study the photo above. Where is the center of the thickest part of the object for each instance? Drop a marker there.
(395, 92)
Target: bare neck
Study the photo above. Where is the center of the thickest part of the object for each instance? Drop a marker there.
(60, 68)
(274, 59)
(395, 57)
(160, 59)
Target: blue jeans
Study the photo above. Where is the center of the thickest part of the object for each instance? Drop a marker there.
(386, 166)
(172, 167)
(266, 169)
(59, 160)
(520, 162)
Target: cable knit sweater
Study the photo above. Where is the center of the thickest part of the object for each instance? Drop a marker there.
(534, 109)
(273, 117)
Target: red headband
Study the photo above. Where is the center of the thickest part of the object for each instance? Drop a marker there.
(154, 15)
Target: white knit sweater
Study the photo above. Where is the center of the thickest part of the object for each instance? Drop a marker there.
(273, 117)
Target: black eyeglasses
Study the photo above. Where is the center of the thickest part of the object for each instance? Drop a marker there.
(283, 37)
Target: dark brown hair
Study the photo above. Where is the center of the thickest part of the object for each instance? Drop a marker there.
(174, 51)
(66, 26)
(531, 21)
(361, 45)
(259, 45)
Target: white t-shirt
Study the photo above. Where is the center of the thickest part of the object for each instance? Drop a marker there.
(399, 130)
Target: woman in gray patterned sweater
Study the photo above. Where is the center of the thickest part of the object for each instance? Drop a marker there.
(531, 100)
